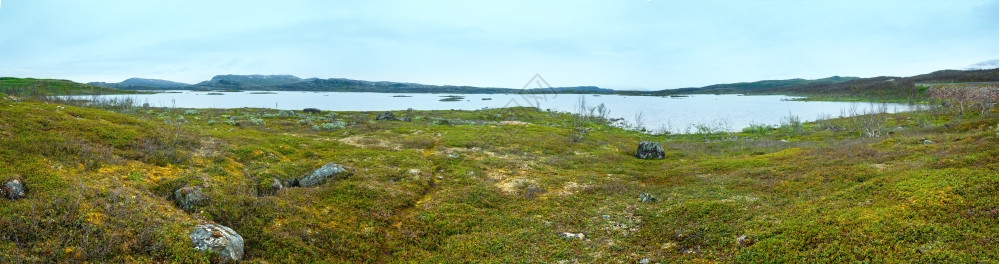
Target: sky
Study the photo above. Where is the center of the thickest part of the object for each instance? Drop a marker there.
(618, 44)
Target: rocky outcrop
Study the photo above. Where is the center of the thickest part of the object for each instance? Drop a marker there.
(649, 150)
(386, 116)
(189, 197)
(312, 110)
(219, 239)
(328, 171)
(13, 189)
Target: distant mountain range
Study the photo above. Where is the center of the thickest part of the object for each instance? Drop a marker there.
(888, 88)
(293, 83)
(985, 65)
(140, 84)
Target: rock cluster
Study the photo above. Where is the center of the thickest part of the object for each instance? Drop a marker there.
(219, 239)
(649, 150)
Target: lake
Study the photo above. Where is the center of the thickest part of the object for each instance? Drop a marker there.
(675, 114)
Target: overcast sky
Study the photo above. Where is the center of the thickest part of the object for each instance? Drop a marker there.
(619, 44)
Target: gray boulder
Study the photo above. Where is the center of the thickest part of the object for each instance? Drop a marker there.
(13, 189)
(189, 197)
(221, 240)
(649, 150)
(386, 116)
(330, 170)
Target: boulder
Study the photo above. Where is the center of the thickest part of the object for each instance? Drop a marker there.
(330, 170)
(189, 197)
(221, 240)
(386, 116)
(312, 110)
(13, 189)
(649, 150)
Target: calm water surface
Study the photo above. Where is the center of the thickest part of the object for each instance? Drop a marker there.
(676, 114)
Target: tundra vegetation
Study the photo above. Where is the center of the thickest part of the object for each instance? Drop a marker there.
(497, 185)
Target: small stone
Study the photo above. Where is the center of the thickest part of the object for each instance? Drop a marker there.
(568, 235)
(646, 198)
(743, 240)
(189, 197)
(606, 217)
(276, 185)
(414, 172)
(928, 141)
(13, 189)
(219, 239)
(386, 116)
(644, 261)
(649, 150)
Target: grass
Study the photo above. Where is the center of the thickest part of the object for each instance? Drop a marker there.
(458, 186)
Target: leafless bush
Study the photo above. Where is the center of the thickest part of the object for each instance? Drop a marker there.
(965, 96)
(869, 123)
(585, 114)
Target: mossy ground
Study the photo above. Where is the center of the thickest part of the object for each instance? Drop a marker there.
(457, 186)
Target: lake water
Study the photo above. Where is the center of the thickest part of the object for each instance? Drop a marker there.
(676, 114)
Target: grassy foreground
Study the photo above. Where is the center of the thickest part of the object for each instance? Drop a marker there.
(459, 186)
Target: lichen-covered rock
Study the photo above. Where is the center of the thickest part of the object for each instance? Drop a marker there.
(330, 170)
(13, 189)
(649, 150)
(219, 239)
(189, 197)
(386, 116)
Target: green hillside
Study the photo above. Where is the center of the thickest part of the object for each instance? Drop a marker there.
(29, 87)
